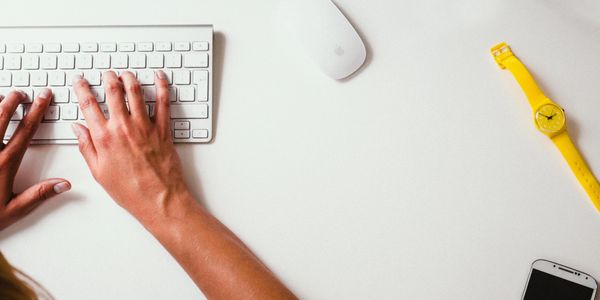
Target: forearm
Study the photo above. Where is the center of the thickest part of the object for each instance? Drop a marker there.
(216, 260)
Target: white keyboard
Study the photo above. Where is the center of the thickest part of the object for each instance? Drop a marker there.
(33, 58)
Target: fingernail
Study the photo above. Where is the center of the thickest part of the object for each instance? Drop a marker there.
(61, 187)
(76, 130)
(76, 78)
(161, 75)
(45, 94)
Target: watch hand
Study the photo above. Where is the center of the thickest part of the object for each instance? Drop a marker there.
(545, 116)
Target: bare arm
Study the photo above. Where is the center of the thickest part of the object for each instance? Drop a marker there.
(131, 155)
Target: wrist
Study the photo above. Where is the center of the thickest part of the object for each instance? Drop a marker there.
(169, 207)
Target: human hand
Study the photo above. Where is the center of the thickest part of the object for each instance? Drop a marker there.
(131, 154)
(13, 206)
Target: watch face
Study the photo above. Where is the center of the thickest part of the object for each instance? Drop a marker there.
(550, 118)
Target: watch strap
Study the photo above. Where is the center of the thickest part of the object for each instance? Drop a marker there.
(506, 59)
(579, 167)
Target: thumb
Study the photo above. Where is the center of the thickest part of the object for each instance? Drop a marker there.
(25, 202)
(86, 146)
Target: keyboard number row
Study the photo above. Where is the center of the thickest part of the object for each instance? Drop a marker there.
(103, 47)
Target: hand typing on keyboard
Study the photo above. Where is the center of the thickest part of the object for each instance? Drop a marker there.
(131, 154)
(15, 206)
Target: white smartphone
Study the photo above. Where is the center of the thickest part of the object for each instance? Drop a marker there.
(551, 281)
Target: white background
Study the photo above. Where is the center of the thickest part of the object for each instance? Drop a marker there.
(422, 177)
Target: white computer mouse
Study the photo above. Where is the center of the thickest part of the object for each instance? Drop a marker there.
(325, 34)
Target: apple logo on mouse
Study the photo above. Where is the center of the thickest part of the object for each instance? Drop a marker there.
(339, 51)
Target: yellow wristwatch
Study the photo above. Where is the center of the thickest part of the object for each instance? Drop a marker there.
(550, 119)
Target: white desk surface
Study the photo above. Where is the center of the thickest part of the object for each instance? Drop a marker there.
(421, 178)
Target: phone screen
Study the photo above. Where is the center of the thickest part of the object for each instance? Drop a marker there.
(549, 287)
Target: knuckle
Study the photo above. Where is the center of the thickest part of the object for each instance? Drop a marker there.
(29, 125)
(104, 139)
(87, 101)
(4, 113)
(113, 87)
(41, 192)
(134, 87)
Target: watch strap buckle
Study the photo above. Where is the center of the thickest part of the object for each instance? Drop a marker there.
(501, 52)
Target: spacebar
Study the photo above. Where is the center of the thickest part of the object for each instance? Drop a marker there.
(47, 131)
(193, 111)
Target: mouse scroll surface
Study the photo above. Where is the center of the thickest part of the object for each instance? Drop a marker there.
(325, 34)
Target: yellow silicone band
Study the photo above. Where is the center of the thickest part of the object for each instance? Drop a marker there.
(507, 60)
(581, 170)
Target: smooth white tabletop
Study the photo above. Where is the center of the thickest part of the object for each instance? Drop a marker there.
(422, 177)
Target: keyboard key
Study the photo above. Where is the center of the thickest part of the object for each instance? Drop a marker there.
(172, 94)
(156, 61)
(71, 75)
(2, 48)
(66, 61)
(169, 74)
(71, 47)
(12, 62)
(5, 79)
(163, 46)
(69, 112)
(182, 125)
(31, 62)
(56, 78)
(126, 47)
(137, 60)
(33, 48)
(98, 92)
(52, 113)
(173, 60)
(189, 111)
(182, 134)
(200, 133)
(39, 78)
(108, 47)
(21, 79)
(93, 77)
(1, 62)
(48, 62)
(200, 46)
(145, 47)
(15, 48)
(104, 110)
(149, 93)
(150, 108)
(120, 61)
(201, 81)
(19, 113)
(195, 60)
(146, 77)
(181, 46)
(84, 61)
(47, 131)
(61, 95)
(102, 61)
(181, 77)
(186, 94)
(89, 47)
(52, 47)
